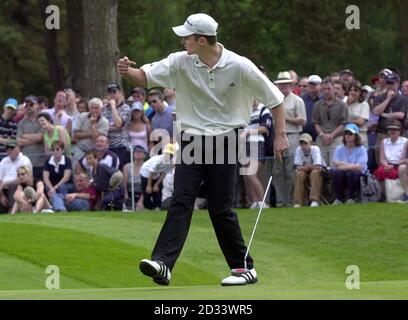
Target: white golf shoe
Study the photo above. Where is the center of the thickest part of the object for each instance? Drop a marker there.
(157, 270)
(240, 277)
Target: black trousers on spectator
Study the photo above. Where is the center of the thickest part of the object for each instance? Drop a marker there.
(152, 200)
(220, 181)
(123, 154)
(343, 180)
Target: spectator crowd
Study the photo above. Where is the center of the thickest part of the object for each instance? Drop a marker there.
(117, 152)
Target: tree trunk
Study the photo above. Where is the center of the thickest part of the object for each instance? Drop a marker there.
(101, 52)
(76, 45)
(55, 67)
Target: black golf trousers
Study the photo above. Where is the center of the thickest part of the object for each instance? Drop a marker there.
(220, 181)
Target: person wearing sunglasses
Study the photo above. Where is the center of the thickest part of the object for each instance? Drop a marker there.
(350, 163)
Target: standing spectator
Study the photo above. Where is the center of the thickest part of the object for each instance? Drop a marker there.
(30, 137)
(8, 127)
(163, 118)
(57, 113)
(82, 198)
(104, 155)
(350, 163)
(102, 177)
(170, 95)
(139, 154)
(341, 91)
(254, 135)
(90, 126)
(30, 194)
(43, 103)
(139, 128)
(57, 176)
(295, 119)
(83, 106)
(310, 169)
(139, 94)
(390, 105)
(329, 118)
(312, 96)
(404, 88)
(8, 173)
(358, 110)
(346, 77)
(53, 134)
(393, 154)
(302, 85)
(118, 114)
(153, 172)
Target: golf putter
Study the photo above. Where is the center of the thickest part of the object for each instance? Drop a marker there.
(256, 224)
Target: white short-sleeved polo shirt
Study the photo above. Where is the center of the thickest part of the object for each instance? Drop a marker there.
(215, 100)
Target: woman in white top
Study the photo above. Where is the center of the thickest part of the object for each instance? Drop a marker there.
(139, 128)
(393, 154)
(358, 110)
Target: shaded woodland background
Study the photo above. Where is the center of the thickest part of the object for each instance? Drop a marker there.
(308, 36)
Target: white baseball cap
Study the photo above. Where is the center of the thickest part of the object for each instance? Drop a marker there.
(199, 23)
(314, 79)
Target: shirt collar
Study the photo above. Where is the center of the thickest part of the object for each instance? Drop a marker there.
(220, 64)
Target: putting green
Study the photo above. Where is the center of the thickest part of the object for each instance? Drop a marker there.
(299, 254)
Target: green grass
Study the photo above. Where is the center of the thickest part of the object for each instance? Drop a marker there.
(299, 254)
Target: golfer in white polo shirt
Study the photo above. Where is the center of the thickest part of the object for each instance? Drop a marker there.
(215, 91)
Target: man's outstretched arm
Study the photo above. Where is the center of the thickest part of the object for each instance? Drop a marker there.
(135, 76)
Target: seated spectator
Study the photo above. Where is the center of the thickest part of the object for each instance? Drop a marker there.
(358, 110)
(139, 154)
(153, 172)
(53, 134)
(8, 174)
(350, 163)
(90, 126)
(310, 168)
(105, 156)
(30, 194)
(139, 128)
(57, 175)
(393, 155)
(8, 127)
(167, 190)
(82, 198)
(102, 174)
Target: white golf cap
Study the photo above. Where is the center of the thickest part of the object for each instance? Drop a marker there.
(199, 23)
(314, 79)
